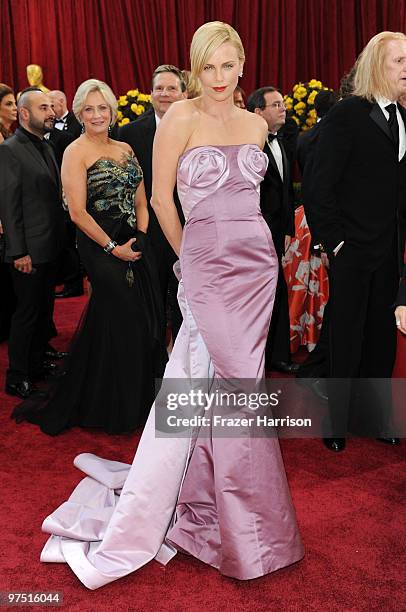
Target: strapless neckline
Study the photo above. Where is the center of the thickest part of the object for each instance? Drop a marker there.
(122, 164)
(223, 146)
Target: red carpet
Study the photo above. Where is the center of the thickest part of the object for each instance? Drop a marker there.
(350, 510)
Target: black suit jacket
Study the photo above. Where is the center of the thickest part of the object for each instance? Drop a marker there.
(358, 188)
(72, 125)
(140, 136)
(30, 201)
(276, 200)
(60, 139)
(306, 145)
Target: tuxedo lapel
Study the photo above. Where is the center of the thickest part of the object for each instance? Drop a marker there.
(379, 118)
(150, 130)
(36, 155)
(284, 162)
(39, 160)
(272, 160)
(55, 175)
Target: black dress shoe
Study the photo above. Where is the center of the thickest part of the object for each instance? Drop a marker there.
(51, 354)
(334, 444)
(316, 385)
(22, 389)
(69, 293)
(391, 441)
(285, 367)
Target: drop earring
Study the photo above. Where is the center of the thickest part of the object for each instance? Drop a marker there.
(83, 128)
(240, 75)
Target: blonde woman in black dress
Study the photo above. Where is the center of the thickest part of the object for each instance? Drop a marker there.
(116, 353)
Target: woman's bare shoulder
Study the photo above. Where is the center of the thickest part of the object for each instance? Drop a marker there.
(255, 119)
(183, 110)
(76, 150)
(256, 125)
(124, 146)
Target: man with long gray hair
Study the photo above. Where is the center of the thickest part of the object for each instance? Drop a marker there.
(358, 197)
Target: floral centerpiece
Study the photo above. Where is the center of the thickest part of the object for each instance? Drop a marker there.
(131, 105)
(300, 103)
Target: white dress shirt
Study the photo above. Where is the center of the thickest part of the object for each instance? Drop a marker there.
(58, 122)
(277, 153)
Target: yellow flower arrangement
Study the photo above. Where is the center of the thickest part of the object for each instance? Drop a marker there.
(300, 103)
(132, 105)
(288, 103)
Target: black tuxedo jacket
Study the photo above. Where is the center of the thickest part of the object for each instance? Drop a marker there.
(306, 145)
(72, 125)
(140, 136)
(60, 139)
(30, 201)
(358, 187)
(276, 200)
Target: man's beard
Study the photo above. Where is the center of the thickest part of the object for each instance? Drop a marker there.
(40, 127)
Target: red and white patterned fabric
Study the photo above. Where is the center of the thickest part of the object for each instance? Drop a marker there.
(307, 282)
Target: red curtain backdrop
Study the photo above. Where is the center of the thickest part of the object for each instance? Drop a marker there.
(122, 41)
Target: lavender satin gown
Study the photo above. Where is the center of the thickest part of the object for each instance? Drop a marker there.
(224, 500)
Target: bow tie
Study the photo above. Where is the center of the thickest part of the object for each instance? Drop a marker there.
(60, 121)
(271, 137)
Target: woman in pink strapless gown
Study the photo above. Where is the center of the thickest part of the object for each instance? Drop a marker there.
(224, 500)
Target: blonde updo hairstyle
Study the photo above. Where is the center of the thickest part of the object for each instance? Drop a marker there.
(207, 39)
(88, 87)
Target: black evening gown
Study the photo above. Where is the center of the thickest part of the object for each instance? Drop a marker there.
(117, 351)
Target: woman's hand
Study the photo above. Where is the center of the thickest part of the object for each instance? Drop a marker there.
(125, 252)
(400, 316)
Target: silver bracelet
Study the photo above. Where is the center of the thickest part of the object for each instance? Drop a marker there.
(109, 246)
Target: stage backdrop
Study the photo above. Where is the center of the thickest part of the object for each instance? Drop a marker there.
(122, 41)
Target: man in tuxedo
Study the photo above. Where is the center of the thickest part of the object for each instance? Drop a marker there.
(168, 86)
(32, 217)
(277, 210)
(66, 129)
(65, 120)
(315, 368)
(357, 199)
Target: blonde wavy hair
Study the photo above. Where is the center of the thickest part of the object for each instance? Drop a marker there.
(370, 80)
(88, 87)
(207, 39)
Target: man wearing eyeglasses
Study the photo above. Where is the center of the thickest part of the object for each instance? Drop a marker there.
(277, 210)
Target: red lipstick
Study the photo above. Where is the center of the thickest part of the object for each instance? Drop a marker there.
(219, 88)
